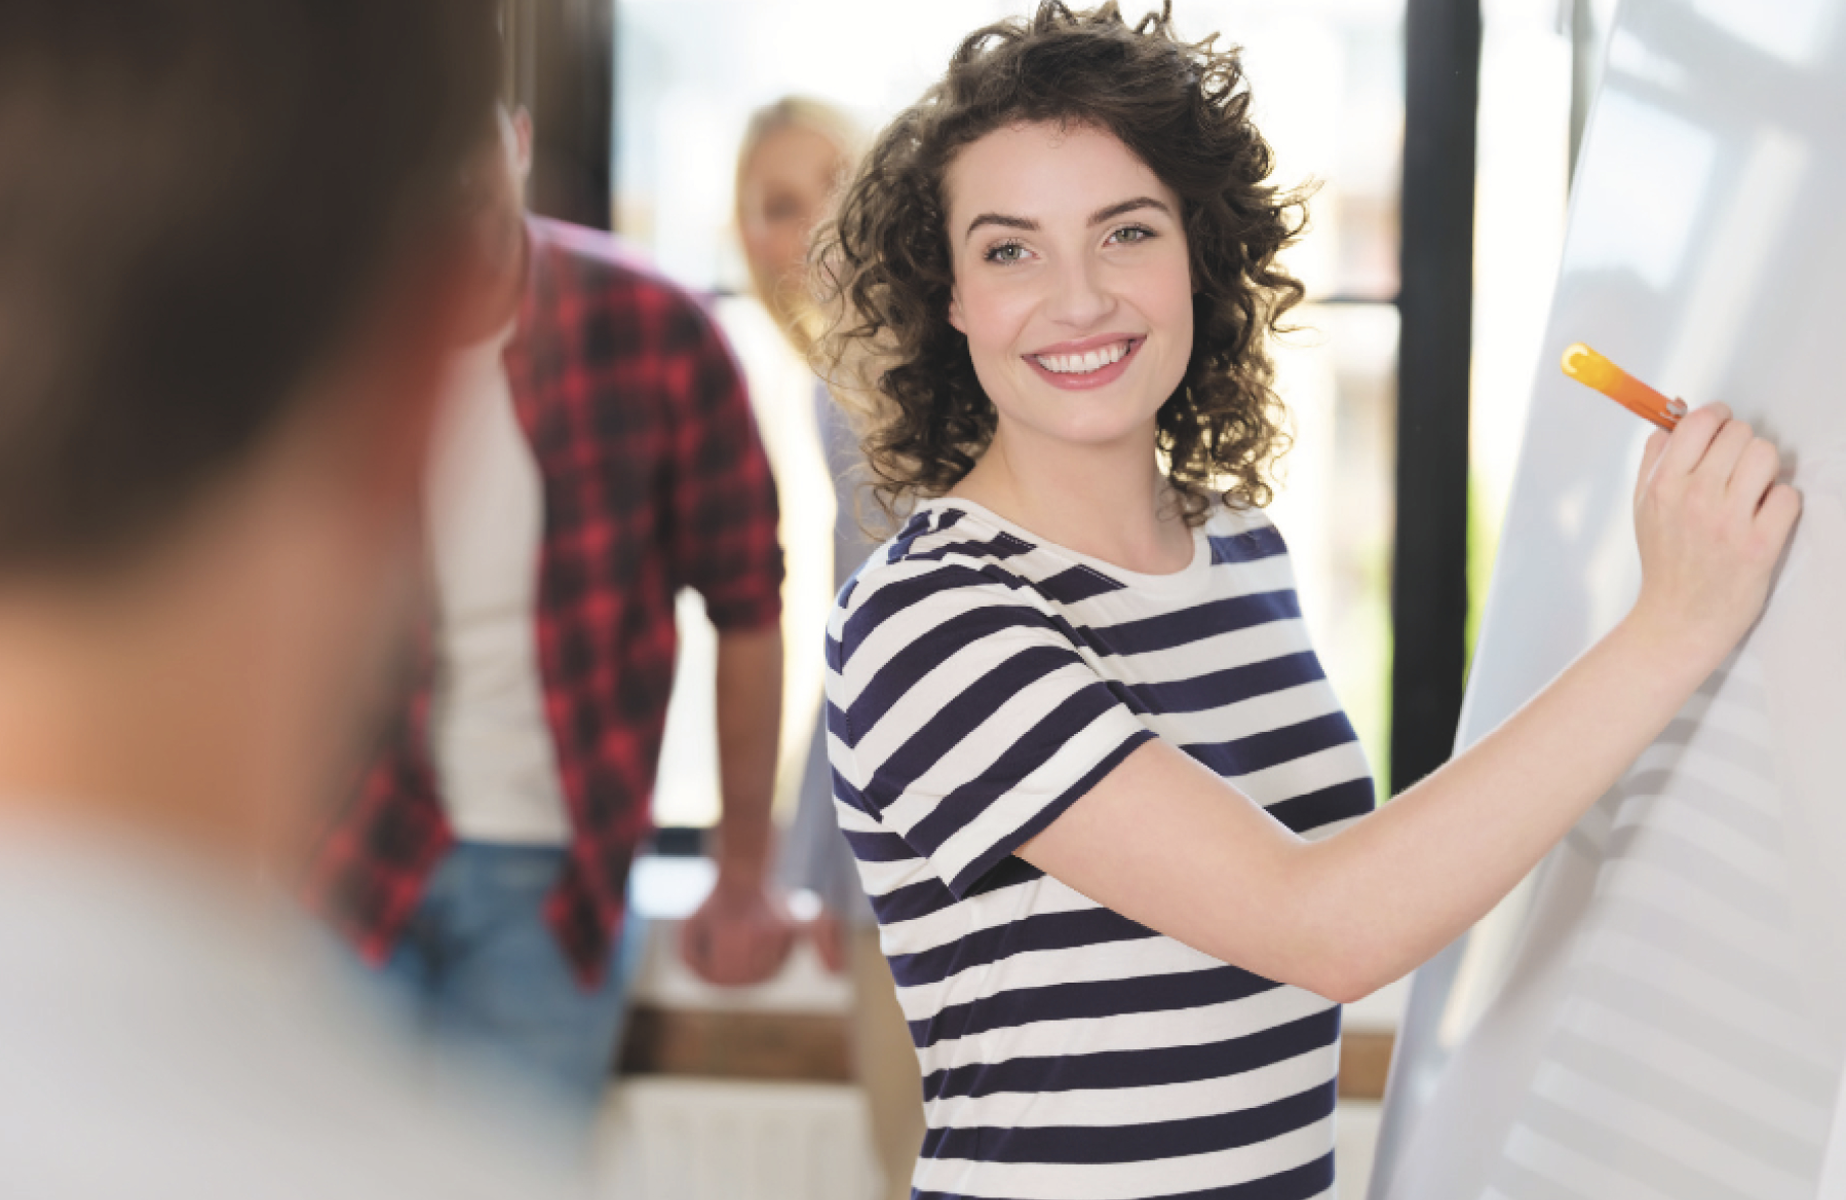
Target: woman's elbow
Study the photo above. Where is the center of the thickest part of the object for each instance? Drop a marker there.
(1346, 975)
(1343, 987)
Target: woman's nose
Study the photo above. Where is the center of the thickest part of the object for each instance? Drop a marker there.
(1078, 296)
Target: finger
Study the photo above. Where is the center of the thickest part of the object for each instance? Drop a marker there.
(694, 949)
(744, 964)
(695, 955)
(1776, 518)
(743, 954)
(1722, 456)
(1753, 475)
(1691, 439)
(832, 953)
(717, 966)
(728, 951)
(767, 953)
(1650, 458)
(824, 932)
(730, 971)
(762, 952)
(780, 948)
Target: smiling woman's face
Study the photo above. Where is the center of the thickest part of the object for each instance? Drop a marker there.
(1072, 283)
(782, 191)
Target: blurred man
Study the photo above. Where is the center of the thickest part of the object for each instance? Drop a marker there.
(230, 267)
(598, 455)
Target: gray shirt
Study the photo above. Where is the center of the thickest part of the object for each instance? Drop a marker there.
(815, 854)
(162, 1034)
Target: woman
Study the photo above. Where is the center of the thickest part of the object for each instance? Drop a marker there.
(1104, 801)
(794, 156)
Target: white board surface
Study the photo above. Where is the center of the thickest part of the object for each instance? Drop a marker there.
(1660, 1014)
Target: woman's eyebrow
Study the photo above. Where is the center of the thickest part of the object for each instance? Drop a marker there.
(1096, 218)
(988, 218)
(1127, 206)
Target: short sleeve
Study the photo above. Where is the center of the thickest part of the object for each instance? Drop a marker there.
(965, 719)
(723, 497)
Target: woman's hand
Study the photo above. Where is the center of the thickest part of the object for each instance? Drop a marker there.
(1711, 521)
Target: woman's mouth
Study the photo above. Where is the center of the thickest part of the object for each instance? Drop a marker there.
(1088, 367)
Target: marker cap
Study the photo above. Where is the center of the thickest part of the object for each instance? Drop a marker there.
(1593, 370)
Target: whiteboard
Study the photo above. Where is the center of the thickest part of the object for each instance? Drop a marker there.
(1660, 1012)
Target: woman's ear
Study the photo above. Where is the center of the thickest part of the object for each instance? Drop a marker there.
(955, 315)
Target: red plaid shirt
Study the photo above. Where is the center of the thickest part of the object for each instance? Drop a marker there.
(654, 480)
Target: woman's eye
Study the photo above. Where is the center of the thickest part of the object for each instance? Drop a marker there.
(1005, 252)
(1133, 233)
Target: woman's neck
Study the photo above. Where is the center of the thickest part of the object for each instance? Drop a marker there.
(1107, 501)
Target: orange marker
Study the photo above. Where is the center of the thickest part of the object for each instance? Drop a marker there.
(1590, 368)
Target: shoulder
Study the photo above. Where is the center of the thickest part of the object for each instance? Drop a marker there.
(1242, 533)
(946, 569)
(1226, 519)
(574, 263)
(946, 546)
(580, 252)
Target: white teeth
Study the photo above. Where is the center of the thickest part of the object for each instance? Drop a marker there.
(1083, 364)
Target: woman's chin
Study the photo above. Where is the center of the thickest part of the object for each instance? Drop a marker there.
(1097, 430)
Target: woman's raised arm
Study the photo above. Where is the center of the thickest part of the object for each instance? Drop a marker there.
(1157, 841)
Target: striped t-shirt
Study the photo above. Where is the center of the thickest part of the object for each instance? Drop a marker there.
(981, 680)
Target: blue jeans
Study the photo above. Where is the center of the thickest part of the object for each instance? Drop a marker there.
(480, 973)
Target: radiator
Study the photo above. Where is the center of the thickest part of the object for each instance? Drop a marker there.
(665, 1138)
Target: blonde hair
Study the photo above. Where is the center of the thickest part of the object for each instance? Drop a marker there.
(788, 300)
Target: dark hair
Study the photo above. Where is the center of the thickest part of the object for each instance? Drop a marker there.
(883, 270)
(198, 198)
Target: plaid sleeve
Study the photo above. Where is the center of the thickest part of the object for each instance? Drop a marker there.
(723, 498)
(367, 876)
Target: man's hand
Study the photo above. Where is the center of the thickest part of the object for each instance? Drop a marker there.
(742, 932)
(739, 935)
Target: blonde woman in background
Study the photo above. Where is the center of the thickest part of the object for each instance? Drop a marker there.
(795, 153)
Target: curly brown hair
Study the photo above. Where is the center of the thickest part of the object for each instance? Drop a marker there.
(882, 270)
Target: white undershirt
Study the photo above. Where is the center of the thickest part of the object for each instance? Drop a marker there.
(495, 759)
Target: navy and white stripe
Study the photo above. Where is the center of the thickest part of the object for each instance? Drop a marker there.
(980, 682)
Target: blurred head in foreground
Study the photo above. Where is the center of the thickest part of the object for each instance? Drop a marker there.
(234, 244)
(795, 155)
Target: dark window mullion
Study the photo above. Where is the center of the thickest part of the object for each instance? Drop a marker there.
(1436, 305)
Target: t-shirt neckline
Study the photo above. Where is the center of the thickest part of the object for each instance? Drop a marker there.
(1192, 577)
